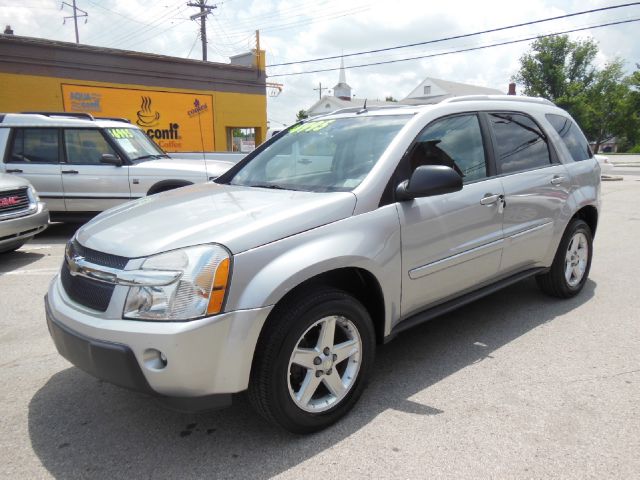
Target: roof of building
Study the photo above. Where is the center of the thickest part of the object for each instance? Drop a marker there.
(336, 103)
(444, 89)
(36, 56)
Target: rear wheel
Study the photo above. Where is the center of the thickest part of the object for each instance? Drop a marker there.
(571, 265)
(313, 360)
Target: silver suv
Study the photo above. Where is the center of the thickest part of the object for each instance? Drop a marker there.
(82, 165)
(22, 214)
(283, 275)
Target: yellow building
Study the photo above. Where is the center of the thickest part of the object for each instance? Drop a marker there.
(183, 105)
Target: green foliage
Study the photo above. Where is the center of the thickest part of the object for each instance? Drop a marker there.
(602, 101)
(631, 127)
(301, 115)
(635, 149)
(390, 99)
(603, 112)
(557, 68)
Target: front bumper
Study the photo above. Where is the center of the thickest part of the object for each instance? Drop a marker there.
(14, 230)
(204, 358)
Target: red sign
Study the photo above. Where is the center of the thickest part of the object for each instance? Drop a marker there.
(9, 201)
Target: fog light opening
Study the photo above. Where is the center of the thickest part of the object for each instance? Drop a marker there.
(154, 359)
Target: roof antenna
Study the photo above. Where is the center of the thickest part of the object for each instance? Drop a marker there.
(364, 107)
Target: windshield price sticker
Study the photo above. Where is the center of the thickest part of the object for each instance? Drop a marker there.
(311, 126)
(119, 133)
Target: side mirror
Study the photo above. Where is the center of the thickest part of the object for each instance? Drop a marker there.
(429, 180)
(111, 159)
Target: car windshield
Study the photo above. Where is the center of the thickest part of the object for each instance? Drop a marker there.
(322, 155)
(135, 143)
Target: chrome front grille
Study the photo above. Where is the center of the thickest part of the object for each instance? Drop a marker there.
(14, 201)
(85, 291)
(91, 293)
(99, 258)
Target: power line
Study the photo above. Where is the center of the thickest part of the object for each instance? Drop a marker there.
(123, 29)
(470, 49)
(455, 37)
(154, 24)
(195, 40)
(131, 19)
(304, 21)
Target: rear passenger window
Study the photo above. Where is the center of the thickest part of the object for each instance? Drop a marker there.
(520, 144)
(572, 137)
(455, 142)
(35, 145)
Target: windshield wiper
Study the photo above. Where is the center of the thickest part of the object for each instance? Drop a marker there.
(144, 157)
(272, 186)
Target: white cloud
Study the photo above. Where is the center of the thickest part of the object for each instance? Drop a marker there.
(296, 30)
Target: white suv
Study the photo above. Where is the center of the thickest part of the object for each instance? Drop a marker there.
(83, 165)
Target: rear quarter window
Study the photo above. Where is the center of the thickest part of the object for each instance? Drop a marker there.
(572, 136)
(520, 143)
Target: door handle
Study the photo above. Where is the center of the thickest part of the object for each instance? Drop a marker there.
(557, 180)
(490, 199)
(13, 170)
(73, 172)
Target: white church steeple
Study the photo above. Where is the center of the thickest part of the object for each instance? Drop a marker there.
(342, 90)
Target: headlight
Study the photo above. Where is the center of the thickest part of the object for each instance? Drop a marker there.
(33, 194)
(199, 291)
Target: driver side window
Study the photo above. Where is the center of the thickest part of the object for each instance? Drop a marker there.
(85, 146)
(455, 142)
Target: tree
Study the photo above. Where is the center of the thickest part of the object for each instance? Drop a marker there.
(557, 68)
(390, 99)
(603, 113)
(301, 115)
(563, 71)
(632, 111)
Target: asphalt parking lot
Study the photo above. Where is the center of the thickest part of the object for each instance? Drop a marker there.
(516, 385)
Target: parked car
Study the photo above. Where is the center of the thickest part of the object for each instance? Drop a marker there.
(22, 214)
(606, 167)
(282, 275)
(83, 165)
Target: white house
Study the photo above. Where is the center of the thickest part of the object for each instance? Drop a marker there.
(434, 90)
(430, 90)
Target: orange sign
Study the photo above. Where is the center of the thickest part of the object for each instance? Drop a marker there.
(178, 122)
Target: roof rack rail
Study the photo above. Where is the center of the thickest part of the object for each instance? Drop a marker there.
(502, 98)
(88, 116)
(115, 119)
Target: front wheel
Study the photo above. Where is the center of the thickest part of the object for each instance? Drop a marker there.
(313, 360)
(12, 247)
(571, 265)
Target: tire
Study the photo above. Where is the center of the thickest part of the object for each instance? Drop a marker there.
(12, 247)
(575, 251)
(294, 395)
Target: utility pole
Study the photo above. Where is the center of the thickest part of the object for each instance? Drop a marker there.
(204, 11)
(75, 16)
(320, 89)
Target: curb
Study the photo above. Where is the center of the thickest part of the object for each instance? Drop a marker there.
(612, 178)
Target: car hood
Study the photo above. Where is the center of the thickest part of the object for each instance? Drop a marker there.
(199, 168)
(239, 218)
(11, 182)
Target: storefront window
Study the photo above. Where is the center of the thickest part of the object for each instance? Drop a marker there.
(241, 139)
